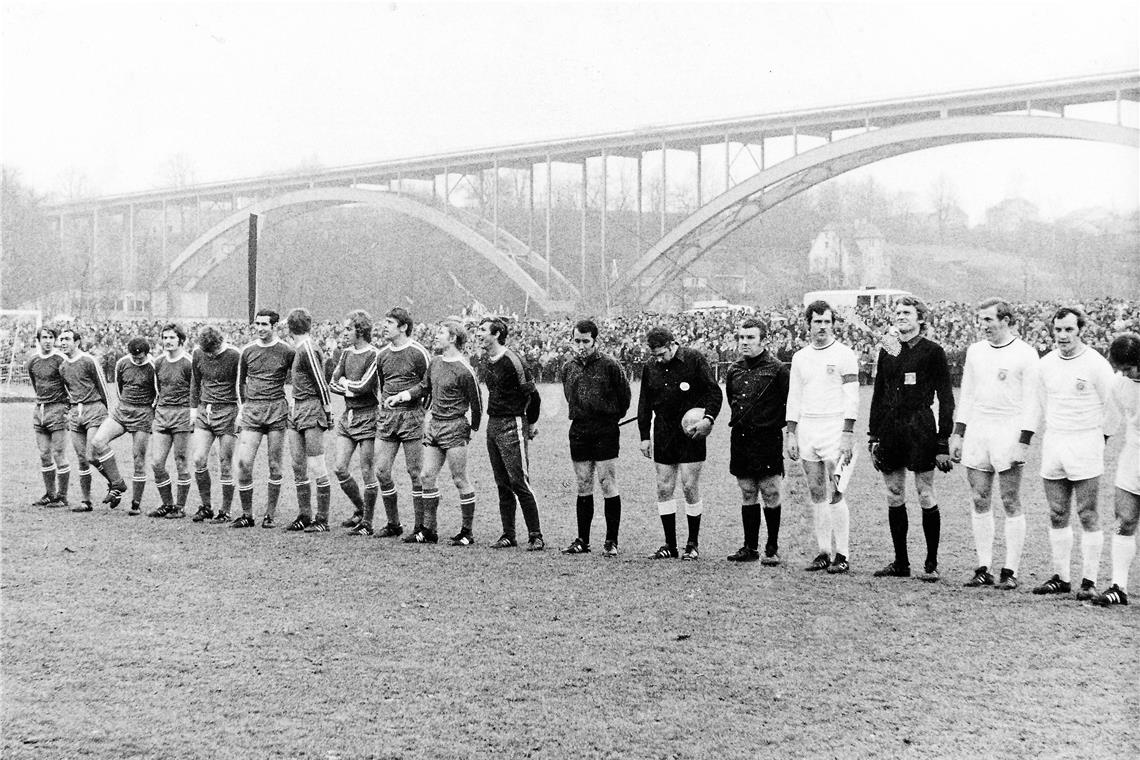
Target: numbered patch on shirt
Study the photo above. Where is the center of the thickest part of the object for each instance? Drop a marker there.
(1081, 384)
(1003, 374)
(831, 369)
(910, 378)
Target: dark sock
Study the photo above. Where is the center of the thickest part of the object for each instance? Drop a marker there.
(62, 477)
(273, 494)
(304, 498)
(370, 492)
(669, 524)
(392, 507)
(612, 507)
(204, 485)
(751, 515)
(49, 481)
(165, 493)
(227, 495)
(585, 511)
(772, 517)
(932, 529)
(352, 491)
(138, 485)
(896, 518)
(431, 510)
(324, 497)
(246, 496)
(182, 491)
(467, 510)
(110, 469)
(694, 529)
(85, 484)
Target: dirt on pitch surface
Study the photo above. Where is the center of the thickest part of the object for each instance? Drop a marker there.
(133, 637)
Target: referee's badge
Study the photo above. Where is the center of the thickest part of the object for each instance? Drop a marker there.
(1080, 384)
(831, 369)
(684, 385)
(1002, 374)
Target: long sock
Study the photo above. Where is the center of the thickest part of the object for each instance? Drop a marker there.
(585, 512)
(772, 517)
(370, 491)
(204, 485)
(1091, 544)
(751, 515)
(1123, 550)
(98, 466)
(304, 497)
(897, 519)
(85, 484)
(822, 515)
(273, 494)
(841, 526)
(431, 509)
(932, 529)
(227, 494)
(667, 510)
(983, 523)
(467, 510)
(138, 485)
(352, 491)
(1061, 542)
(392, 506)
(165, 492)
(693, 514)
(109, 466)
(1014, 541)
(611, 505)
(62, 479)
(48, 474)
(417, 506)
(246, 495)
(182, 490)
(324, 497)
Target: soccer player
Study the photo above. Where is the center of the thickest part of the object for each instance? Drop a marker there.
(87, 394)
(308, 420)
(400, 365)
(903, 434)
(757, 389)
(1124, 356)
(262, 370)
(676, 379)
(823, 402)
(597, 396)
(173, 425)
(137, 385)
(1073, 388)
(214, 412)
(996, 419)
(355, 378)
(512, 422)
(453, 388)
(49, 420)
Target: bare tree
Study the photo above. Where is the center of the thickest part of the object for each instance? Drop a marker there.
(944, 201)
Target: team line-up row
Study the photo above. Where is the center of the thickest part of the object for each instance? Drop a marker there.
(221, 394)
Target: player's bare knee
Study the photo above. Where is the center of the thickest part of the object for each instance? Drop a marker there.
(1090, 519)
(692, 492)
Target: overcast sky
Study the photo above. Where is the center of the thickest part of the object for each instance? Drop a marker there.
(112, 91)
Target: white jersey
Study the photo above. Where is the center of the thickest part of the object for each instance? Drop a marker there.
(1124, 410)
(999, 381)
(1074, 392)
(824, 383)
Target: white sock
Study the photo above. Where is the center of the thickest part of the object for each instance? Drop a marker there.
(667, 507)
(1061, 540)
(696, 509)
(1123, 550)
(1014, 541)
(984, 538)
(822, 517)
(841, 526)
(1091, 545)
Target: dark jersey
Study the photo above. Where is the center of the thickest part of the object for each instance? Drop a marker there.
(83, 379)
(670, 389)
(137, 383)
(174, 379)
(309, 380)
(263, 370)
(47, 382)
(356, 373)
(907, 384)
(453, 388)
(214, 377)
(757, 390)
(595, 388)
(400, 369)
(508, 386)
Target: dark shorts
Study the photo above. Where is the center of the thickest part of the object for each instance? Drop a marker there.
(134, 419)
(265, 416)
(400, 425)
(49, 418)
(307, 414)
(89, 416)
(672, 446)
(358, 424)
(910, 442)
(756, 454)
(219, 419)
(171, 420)
(594, 440)
(447, 434)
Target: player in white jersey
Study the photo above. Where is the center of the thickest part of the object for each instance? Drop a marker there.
(1124, 356)
(823, 401)
(1073, 389)
(997, 416)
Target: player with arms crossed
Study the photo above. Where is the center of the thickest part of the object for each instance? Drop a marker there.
(49, 420)
(451, 385)
(308, 420)
(996, 419)
(173, 426)
(823, 401)
(675, 380)
(214, 411)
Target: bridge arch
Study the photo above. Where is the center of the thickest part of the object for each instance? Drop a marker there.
(313, 199)
(726, 213)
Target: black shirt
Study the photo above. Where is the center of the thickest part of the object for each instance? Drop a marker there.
(907, 384)
(672, 388)
(595, 388)
(757, 390)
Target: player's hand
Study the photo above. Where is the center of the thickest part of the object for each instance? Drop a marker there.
(533, 432)
(846, 447)
(1020, 454)
(701, 429)
(955, 448)
(646, 449)
(943, 463)
(873, 450)
(793, 447)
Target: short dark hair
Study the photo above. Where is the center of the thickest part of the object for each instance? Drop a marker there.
(210, 339)
(1124, 351)
(456, 329)
(497, 327)
(175, 328)
(583, 326)
(299, 321)
(916, 303)
(138, 345)
(1065, 311)
(45, 329)
(274, 317)
(1004, 310)
(818, 307)
(76, 336)
(755, 322)
(361, 322)
(402, 317)
(658, 336)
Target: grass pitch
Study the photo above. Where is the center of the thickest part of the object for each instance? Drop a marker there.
(133, 637)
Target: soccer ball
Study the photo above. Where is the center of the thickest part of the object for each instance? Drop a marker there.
(690, 421)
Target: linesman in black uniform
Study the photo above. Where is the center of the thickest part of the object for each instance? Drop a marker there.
(675, 380)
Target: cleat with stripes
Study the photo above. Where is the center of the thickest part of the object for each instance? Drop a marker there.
(361, 529)
(504, 542)
(115, 495)
(1008, 581)
(839, 565)
(1054, 586)
(665, 552)
(44, 500)
(203, 514)
(245, 521)
(1114, 595)
(416, 536)
(318, 526)
(300, 522)
(222, 518)
(982, 577)
(463, 538)
(821, 562)
(162, 511)
(353, 521)
(577, 546)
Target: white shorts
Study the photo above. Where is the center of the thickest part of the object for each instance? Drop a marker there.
(841, 479)
(989, 445)
(819, 438)
(1128, 469)
(1072, 455)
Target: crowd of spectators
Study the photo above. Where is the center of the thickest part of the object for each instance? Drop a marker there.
(544, 344)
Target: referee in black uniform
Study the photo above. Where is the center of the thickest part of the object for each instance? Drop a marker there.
(675, 380)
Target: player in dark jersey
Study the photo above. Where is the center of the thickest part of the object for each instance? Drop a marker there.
(87, 394)
(355, 378)
(308, 420)
(134, 413)
(172, 424)
(213, 409)
(49, 420)
(451, 385)
(262, 372)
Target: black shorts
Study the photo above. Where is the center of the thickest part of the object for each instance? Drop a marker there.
(594, 440)
(672, 446)
(909, 441)
(756, 454)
